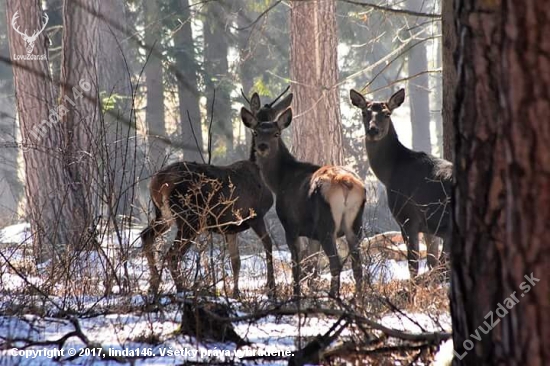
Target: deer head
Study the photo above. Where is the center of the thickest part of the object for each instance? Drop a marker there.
(376, 115)
(267, 134)
(29, 40)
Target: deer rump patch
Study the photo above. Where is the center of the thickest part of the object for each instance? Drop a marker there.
(342, 190)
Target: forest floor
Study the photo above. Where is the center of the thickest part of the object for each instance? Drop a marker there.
(51, 317)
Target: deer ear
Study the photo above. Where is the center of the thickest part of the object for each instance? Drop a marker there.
(255, 103)
(397, 99)
(248, 118)
(357, 99)
(283, 104)
(284, 119)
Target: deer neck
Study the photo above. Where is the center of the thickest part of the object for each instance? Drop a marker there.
(384, 155)
(274, 168)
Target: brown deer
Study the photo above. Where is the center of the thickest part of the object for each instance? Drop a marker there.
(221, 199)
(418, 185)
(317, 202)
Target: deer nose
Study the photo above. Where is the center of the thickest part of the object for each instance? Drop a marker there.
(262, 147)
(373, 131)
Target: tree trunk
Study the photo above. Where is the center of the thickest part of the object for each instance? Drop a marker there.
(419, 90)
(11, 188)
(79, 69)
(216, 69)
(155, 88)
(118, 157)
(188, 93)
(317, 132)
(41, 139)
(449, 75)
(247, 57)
(500, 242)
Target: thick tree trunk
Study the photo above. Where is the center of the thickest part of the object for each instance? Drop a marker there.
(419, 90)
(41, 139)
(449, 75)
(155, 88)
(216, 69)
(317, 132)
(79, 71)
(188, 93)
(500, 251)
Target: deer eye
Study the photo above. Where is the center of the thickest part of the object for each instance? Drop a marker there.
(277, 134)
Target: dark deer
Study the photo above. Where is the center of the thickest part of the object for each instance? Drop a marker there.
(320, 203)
(221, 199)
(418, 185)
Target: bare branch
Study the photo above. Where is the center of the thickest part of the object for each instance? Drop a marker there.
(393, 10)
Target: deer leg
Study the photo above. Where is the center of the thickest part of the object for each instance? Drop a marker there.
(293, 244)
(156, 228)
(410, 235)
(432, 248)
(260, 230)
(233, 248)
(329, 246)
(356, 265)
(309, 258)
(175, 254)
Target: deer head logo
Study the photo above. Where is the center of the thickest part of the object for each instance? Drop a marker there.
(29, 40)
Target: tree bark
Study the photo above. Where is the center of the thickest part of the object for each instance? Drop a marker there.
(502, 191)
(155, 87)
(449, 75)
(43, 166)
(79, 70)
(317, 132)
(188, 90)
(217, 80)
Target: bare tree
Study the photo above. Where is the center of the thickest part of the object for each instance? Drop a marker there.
(155, 87)
(500, 251)
(317, 132)
(79, 69)
(188, 93)
(449, 75)
(419, 91)
(118, 153)
(217, 80)
(44, 181)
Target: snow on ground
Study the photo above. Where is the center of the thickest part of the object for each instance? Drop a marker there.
(130, 330)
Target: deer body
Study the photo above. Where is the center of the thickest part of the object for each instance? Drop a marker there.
(197, 198)
(200, 197)
(320, 203)
(418, 185)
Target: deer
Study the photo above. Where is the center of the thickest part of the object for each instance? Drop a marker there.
(418, 185)
(29, 40)
(221, 199)
(317, 202)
